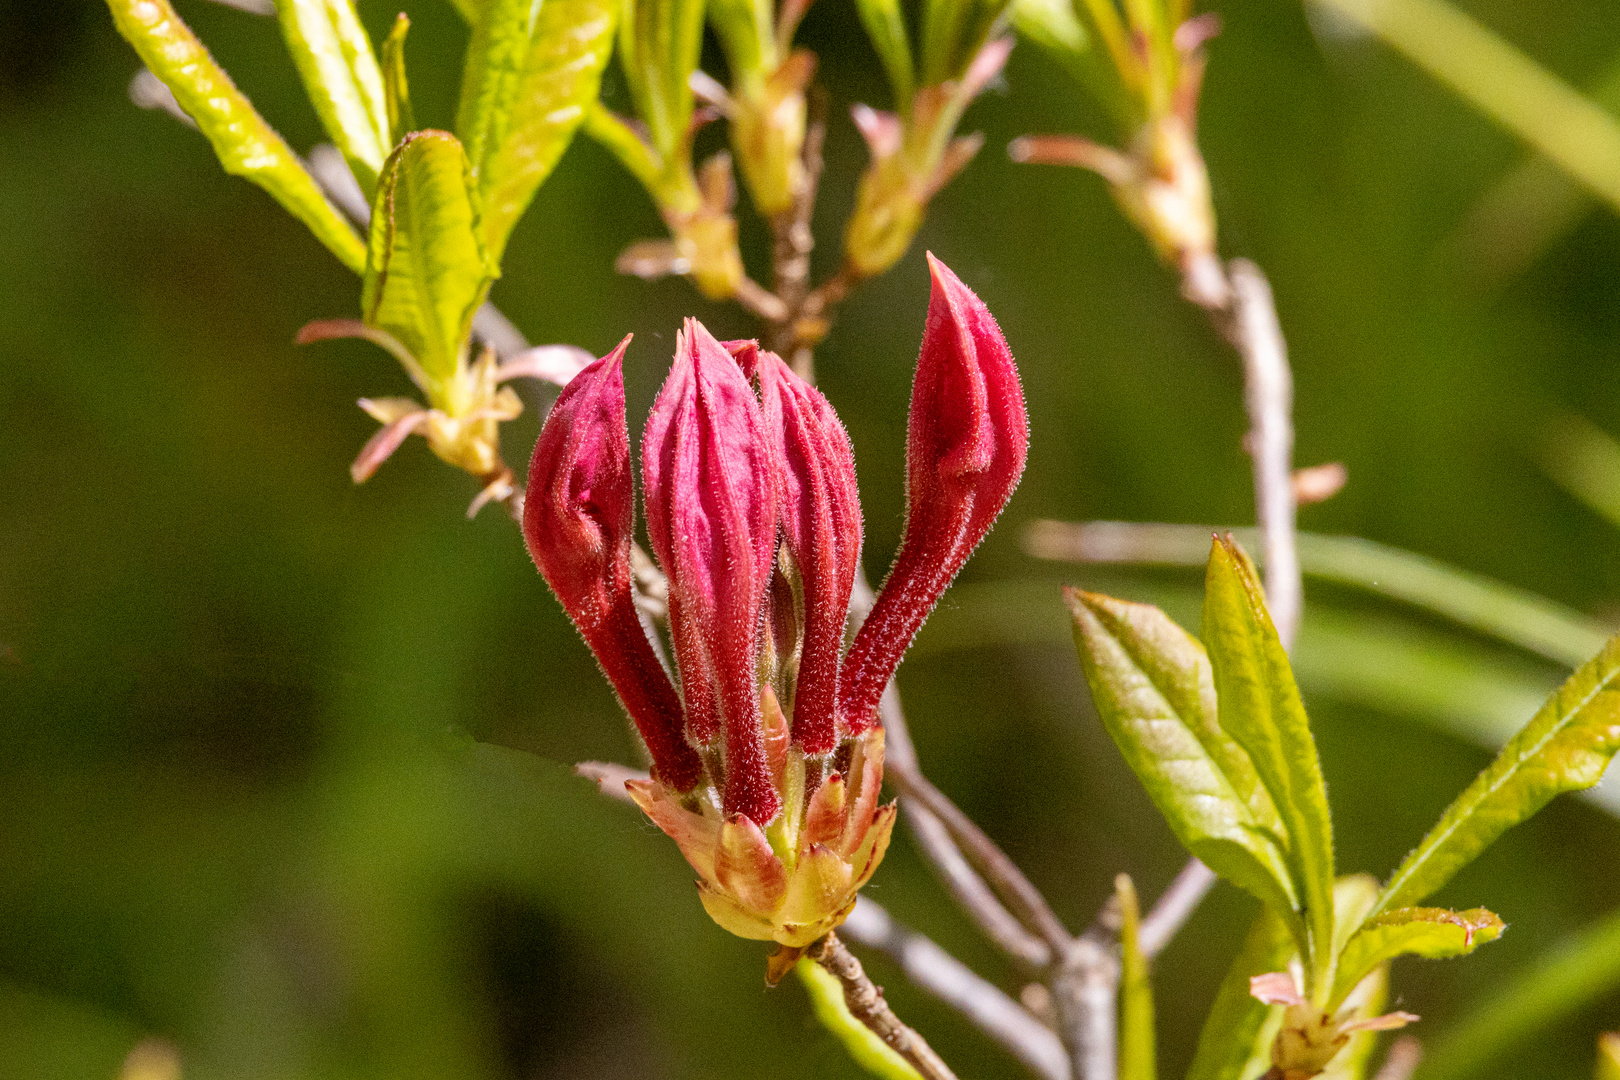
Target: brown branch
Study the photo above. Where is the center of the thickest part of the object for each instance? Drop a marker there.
(1174, 906)
(931, 968)
(864, 998)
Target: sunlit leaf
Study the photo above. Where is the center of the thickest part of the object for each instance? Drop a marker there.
(246, 145)
(1154, 691)
(886, 26)
(396, 88)
(1435, 933)
(341, 76)
(1260, 708)
(1608, 1057)
(471, 10)
(659, 43)
(1137, 1054)
(870, 1052)
(426, 271)
(1235, 1043)
(529, 77)
(1565, 747)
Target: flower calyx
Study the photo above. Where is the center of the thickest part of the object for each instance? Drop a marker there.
(1310, 1037)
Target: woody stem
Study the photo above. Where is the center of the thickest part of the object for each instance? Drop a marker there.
(864, 999)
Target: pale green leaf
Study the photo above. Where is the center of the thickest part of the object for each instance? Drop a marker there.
(341, 76)
(616, 136)
(886, 26)
(426, 271)
(526, 88)
(471, 10)
(1137, 1053)
(1565, 747)
(396, 88)
(1235, 1043)
(870, 1052)
(246, 145)
(1154, 691)
(1260, 708)
(1435, 933)
(659, 45)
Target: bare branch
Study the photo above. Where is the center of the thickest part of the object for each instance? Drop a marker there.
(1269, 397)
(1083, 997)
(865, 1002)
(931, 968)
(1174, 906)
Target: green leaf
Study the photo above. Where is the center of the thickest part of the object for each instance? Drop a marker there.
(1155, 693)
(471, 10)
(886, 26)
(870, 1052)
(342, 78)
(953, 33)
(659, 44)
(1260, 708)
(246, 145)
(1432, 932)
(621, 140)
(396, 89)
(426, 271)
(1565, 747)
(528, 81)
(1136, 1040)
(1556, 985)
(1235, 1043)
(747, 30)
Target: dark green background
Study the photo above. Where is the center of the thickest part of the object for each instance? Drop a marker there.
(244, 801)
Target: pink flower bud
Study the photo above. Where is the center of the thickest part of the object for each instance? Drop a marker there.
(821, 522)
(578, 520)
(711, 479)
(967, 438)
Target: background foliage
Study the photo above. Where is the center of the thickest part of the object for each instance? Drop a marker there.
(244, 808)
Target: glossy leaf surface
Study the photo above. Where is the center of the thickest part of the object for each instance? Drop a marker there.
(1435, 933)
(426, 271)
(341, 76)
(1155, 692)
(1260, 708)
(246, 145)
(1565, 747)
(529, 77)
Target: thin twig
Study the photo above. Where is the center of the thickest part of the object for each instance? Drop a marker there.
(1174, 906)
(931, 968)
(1084, 999)
(864, 998)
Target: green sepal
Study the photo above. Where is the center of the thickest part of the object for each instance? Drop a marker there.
(1566, 746)
(246, 145)
(1260, 708)
(426, 270)
(1435, 933)
(1155, 692)
(341, 76)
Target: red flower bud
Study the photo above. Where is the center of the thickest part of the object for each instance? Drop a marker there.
(821, 523)
(711, 479)
(967, 438)
(578, 520)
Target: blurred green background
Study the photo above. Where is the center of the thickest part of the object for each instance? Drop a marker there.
(284, 762)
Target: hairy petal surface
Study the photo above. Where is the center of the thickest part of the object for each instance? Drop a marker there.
(578, 521)
(967, 440)
(712, 482)
(821, 524)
